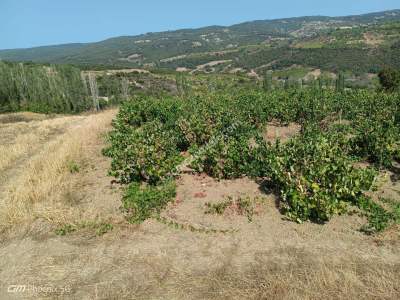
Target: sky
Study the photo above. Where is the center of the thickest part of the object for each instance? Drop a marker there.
(30, 23)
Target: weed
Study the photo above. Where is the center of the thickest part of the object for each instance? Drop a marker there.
(394, 207)
(189, 227)
(73, 167)
(218, 208)
(378, 218)
(65, 229)
(99, 228)
(104, 228)
(240, 206)
(143, 201)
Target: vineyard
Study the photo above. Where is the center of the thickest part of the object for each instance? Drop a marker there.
(218, 125)
(332, 166)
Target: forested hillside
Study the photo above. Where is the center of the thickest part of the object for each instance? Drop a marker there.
(361, 43)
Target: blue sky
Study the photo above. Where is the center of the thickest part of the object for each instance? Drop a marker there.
(27, 23)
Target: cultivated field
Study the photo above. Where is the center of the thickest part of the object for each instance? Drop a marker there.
(62, 229)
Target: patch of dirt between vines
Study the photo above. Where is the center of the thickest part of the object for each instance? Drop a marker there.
(274, 131)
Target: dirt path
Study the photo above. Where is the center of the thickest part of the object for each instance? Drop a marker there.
(268, 258)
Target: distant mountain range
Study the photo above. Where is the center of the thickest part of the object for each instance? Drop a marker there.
(362, 43)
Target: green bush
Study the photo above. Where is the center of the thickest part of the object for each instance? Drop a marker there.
(377, 141)
(315, 177)
(141, 202)
(148, 153)
(226, 158)
(389, 79)
(228, 155)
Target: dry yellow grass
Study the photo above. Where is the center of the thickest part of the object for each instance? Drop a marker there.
(21, 116)
(302, 276)
(38, 191)
(22, 138)
(21, 145)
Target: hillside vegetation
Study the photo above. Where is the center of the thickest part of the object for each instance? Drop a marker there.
(39, 88)
(361, 43)
(56, 88)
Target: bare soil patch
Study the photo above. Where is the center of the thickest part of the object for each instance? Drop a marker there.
(209, 64)
(373, 39)
(275, 131)
(313, 74)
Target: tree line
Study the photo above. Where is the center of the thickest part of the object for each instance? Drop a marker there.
(42, 88)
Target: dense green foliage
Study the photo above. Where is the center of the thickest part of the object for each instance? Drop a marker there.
(314, 174)
(39, 88)
(390, 79)
(148, 153)
(66, 89)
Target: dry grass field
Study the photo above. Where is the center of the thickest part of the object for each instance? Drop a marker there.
(54, 176)
(38, 160)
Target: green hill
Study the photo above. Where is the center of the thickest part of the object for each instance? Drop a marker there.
(362, 43)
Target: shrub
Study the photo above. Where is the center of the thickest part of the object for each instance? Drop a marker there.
(148, 153)
(378, 218)
(227, 155)
(315, 177)
(377, 127)
(141, 201)
(378, 141)
(389, 79)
